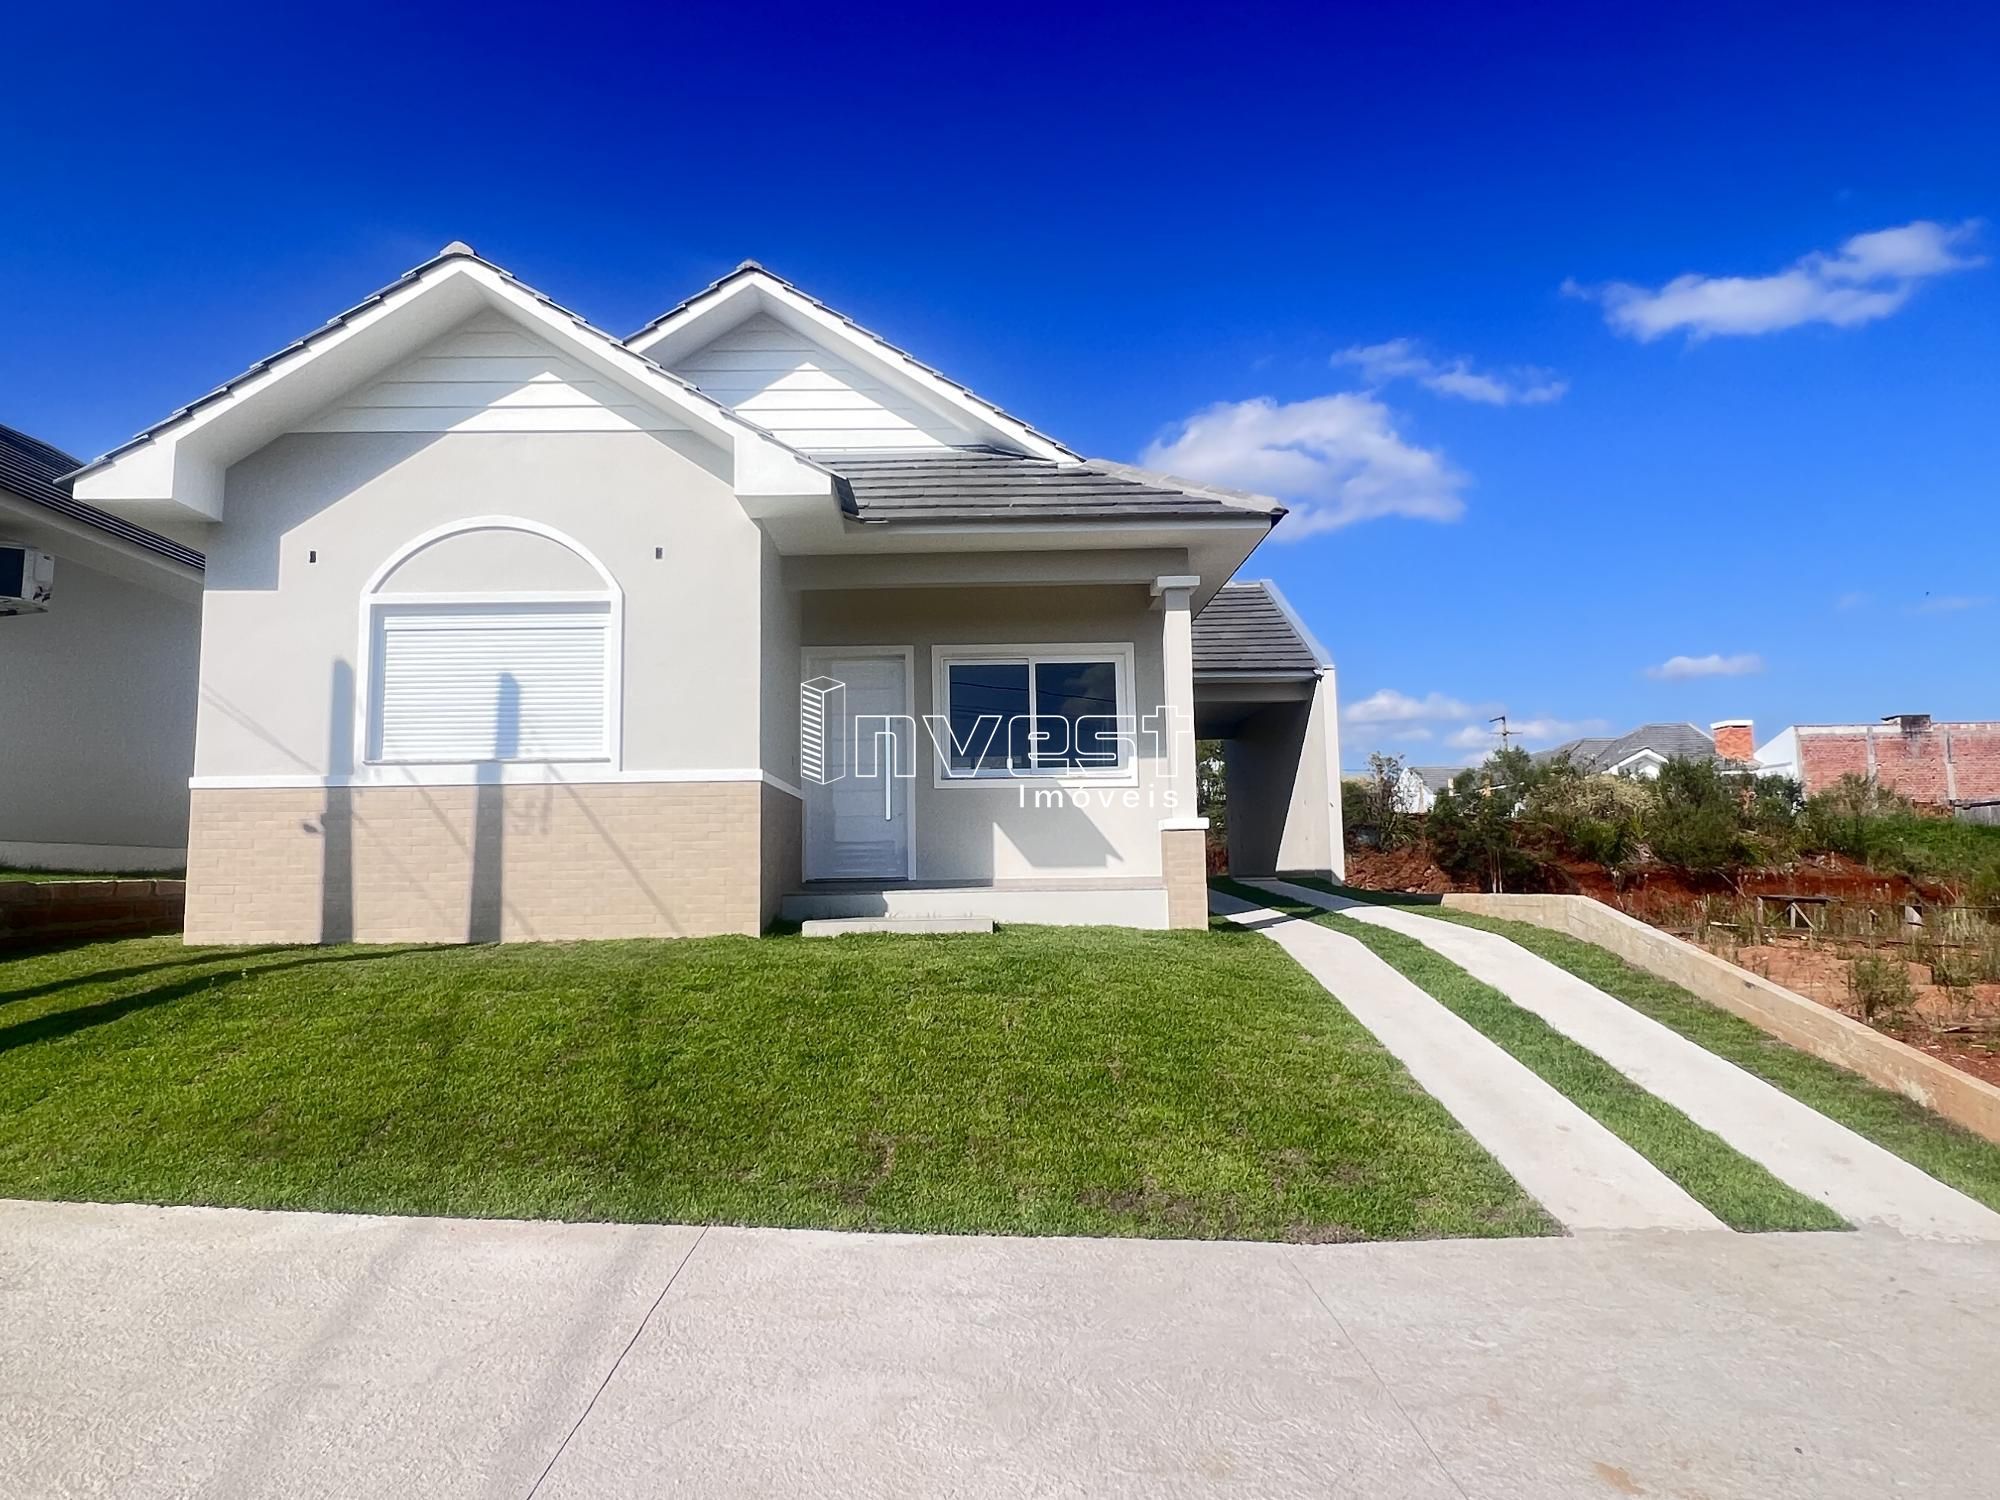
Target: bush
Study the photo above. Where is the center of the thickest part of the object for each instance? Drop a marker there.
(1589, 816)
(1472, 830)
(1694, 818)
(1880, 986)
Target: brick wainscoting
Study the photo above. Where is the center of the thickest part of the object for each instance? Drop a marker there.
(482, 864)
(1184, 863)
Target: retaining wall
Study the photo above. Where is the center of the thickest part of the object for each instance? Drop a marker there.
(57, 911)
(1790, 1017)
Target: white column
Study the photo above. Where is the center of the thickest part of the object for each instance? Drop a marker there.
(1173, 594)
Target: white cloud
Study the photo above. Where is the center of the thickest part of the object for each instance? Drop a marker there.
(1387, 706)
(1681, 668)
(1403, 359)
(1870, 276)
(1945, 604)
(1335, 459)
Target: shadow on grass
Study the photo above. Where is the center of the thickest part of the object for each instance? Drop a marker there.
(66, 1022)
(110, 976)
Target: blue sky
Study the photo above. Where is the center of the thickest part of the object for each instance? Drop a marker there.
(1456, 281)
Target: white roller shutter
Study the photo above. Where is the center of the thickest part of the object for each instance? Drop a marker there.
(491, 682)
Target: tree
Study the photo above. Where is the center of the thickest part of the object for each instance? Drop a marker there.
(1473, 832)
(1695, 819)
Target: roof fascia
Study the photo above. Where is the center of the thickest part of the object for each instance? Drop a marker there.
(751, 289)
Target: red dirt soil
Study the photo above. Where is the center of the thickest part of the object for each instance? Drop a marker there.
(1820, 974)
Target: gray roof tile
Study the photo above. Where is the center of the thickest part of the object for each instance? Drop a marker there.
(985, 484)
(1245, 629)
(1667, 740)
(30, 468)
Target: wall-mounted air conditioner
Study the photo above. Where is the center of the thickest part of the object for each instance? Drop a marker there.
(27, 580)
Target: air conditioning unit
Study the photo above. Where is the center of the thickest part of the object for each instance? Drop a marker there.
(27, 580)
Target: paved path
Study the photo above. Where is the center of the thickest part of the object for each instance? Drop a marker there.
(1860, 1181)
(173, 1352)
(1575, 1168)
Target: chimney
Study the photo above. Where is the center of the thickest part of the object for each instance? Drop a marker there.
(1735, 739)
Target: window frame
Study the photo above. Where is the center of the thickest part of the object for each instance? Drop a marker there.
(366, 769)
(1119, 654)
(499, 604)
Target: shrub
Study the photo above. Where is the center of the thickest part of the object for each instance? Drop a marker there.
(1473, 832)
(1693, 820)
(1880, 986)
(1592, 817)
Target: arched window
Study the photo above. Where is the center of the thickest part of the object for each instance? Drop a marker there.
(493, 640)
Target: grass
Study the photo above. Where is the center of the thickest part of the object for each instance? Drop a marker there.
(1046, 1081)
(1944, 849)
(1898, 1124)
(1737, 1190)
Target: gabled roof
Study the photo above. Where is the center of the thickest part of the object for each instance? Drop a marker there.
(985, 484)
(30, 468)
(1436, 778)
(455, 260)
(1250, 628)
(726, 301)
(1665, 740)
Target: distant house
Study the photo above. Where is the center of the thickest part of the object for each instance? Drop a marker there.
(97, 679)
(1943, 765)
(1642, 751)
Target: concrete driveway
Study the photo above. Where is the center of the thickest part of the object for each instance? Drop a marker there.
(152, 1352)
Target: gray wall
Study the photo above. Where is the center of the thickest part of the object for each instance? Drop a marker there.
(1283, 794)
(97, 709)
(282, 633)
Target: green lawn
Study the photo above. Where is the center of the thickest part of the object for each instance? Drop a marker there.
(1894, 1122)
(1737, 1190)
(1072, 1081)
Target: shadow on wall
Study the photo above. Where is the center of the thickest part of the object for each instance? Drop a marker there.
(486, 891)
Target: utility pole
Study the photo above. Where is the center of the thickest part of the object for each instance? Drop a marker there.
(1501, 720)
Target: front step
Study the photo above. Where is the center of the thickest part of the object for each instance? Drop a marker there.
(840, 926)
(1106, 903)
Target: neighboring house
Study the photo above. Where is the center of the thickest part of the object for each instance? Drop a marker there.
(97, 681)
(1423, 785)
(513, 629)
(1944, 765)
(1644, 750)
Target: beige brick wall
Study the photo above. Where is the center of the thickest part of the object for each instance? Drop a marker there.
(459, 864)
(1184, 862)
(782, 834)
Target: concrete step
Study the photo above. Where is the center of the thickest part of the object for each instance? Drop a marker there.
(839, 926)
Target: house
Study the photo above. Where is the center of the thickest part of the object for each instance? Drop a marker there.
(97, 676)
(1642, 751)
(513, 629)
(1940, 764)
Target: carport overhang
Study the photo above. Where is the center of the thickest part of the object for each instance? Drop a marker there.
(1268, 693)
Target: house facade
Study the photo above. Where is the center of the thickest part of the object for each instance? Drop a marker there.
(1941, 764)
(512, 629)
(97, 675)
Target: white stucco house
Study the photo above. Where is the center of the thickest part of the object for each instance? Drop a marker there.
(97, 677)
(514, 629)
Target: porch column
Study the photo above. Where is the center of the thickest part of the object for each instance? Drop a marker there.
(1183, 832)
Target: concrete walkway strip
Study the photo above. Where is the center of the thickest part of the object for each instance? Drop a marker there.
(1858, 1179)
(1579, 1171)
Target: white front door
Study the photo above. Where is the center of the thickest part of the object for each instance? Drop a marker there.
(856, 724)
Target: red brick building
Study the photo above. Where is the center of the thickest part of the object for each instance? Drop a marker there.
(1940, 764)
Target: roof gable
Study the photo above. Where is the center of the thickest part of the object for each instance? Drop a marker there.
(492, 374)
(750, 292)
(174, 470)
(1250, 628)
(815, 397)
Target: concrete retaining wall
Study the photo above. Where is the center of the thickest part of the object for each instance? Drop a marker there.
(1790, 1017)
(58, 911)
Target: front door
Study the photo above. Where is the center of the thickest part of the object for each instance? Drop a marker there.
(857, 746)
